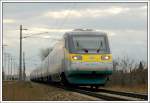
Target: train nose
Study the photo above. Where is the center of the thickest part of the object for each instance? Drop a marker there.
(92, 66)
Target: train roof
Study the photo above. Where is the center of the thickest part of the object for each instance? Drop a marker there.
(84, 32)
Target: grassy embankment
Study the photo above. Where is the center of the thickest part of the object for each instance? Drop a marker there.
(136, 89)
(28, 91)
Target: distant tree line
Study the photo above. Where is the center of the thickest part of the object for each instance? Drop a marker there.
(128, 73)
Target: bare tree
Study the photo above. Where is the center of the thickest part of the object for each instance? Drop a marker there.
(115, 64)
(141, 67)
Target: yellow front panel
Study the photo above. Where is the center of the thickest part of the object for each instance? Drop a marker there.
(91, 57)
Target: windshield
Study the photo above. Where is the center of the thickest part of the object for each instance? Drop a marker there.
(89, 43)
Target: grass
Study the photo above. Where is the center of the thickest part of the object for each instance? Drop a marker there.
(20, 91)
(136, 89)
(28, 91)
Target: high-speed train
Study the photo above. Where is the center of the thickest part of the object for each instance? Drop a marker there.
(81, 57)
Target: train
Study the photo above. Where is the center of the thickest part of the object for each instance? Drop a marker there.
(81, 57)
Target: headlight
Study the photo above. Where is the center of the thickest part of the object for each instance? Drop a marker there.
(105, 57)
(77, 57)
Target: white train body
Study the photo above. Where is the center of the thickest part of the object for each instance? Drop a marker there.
(77, 66)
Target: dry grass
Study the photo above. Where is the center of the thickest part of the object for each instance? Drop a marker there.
(28, 91)
(23, 91)
(136, 89)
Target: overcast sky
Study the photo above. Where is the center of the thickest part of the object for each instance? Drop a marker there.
(125, 23)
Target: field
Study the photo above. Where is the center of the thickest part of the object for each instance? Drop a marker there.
(29, 91)
(136, 89)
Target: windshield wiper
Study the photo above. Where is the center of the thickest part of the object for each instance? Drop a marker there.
(100, 47)
(85, 50)
(98, 50)
(77, 43)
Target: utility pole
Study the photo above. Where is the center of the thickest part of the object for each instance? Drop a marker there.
(4, 66)
(8, 67)
(24, 68)
(20, 59)
(3, 62)
(20, 56)
(3, 73)
(11, 68)
(14, 70)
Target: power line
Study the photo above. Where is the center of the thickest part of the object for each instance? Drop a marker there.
(34, 34)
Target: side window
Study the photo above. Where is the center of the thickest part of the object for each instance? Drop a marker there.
(66, 43)
(107, 42)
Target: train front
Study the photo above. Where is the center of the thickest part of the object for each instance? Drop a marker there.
(89, 58)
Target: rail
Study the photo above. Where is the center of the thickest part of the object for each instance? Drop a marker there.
(105, 94)
(113, 95)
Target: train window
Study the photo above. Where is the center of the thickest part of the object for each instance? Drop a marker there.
(87, 43)
(66, 43)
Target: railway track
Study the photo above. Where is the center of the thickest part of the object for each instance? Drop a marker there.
(112, 95)
(106, 94)
(130, 94)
